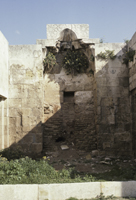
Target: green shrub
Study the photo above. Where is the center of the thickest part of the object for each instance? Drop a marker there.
(28, 171)
(128, 56)
(75, 62)
(106, 55)
(11, 154)
(49, 62)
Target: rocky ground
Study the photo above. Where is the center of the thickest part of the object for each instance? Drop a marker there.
(84, 162)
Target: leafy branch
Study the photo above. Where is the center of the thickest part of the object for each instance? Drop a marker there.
(49, 62)
(108, 54)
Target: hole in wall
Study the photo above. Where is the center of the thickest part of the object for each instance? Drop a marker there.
(60, 139)
(69, 97)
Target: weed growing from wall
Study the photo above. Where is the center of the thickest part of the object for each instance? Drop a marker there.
(108, 54)
(49, 62)
(75, 61)
(128, 56)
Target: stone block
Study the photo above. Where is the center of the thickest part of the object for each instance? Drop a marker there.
(19, 192)
(83, 97)
(114, 91)
(111, 188)
(119, 189)
(12, 122)
(111, 119)
(13, 112)
(77, 190)
(27, 128)
(43, 192)
(26, 121)
(15, 91)
(7, 192)
(81, 30)
(19, 121)
(106, 145)
(26, 192)
(88, 87)
(107, 101)
(4, 52)
(28, 139)
(26, 111)
(95, 153)
(124, 81)
(101, 81)
(113, 82)
(70, 87)
(15, 103)
(36, 147)
(39, 137)
(102, 91)
(125, 136)
(122, 146)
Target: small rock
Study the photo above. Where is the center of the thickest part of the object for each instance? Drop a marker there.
(64, 147)
(67, 164)
(88, 157)
(94, 153)
(124, 160)
(103, 162)
(107, 159)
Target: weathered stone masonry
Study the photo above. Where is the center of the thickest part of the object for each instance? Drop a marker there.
(92, 112)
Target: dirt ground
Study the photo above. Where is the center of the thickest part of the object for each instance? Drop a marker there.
(83, 161)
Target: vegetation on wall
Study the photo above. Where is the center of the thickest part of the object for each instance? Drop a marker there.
(75, 61)
(128, 56)
(49, 62)
(108, 54)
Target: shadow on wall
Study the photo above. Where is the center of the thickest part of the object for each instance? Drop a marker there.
(102, 123)
(67, 122)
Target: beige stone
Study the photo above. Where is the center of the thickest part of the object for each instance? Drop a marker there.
(36, 147)
(83, 97)
(4, 66)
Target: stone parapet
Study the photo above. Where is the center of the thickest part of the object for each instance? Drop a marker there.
(66, 190)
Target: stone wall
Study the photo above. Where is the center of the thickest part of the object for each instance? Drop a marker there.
(53, 33)
(3, 66)
(132, 89)
(69, 111)
(4, 121)
(4, 73)
(26, 97)
(89, 112)
(112, 102)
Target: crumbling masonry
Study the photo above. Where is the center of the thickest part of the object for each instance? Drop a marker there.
(92, 110)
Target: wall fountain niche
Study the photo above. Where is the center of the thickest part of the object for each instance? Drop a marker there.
(69, 95)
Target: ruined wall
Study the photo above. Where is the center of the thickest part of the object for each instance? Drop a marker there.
(69, 111)
(112, 103)
(132, 89)
(4, 120)
(3, 66)
(89, 112)
(4, 73)
(53, 33)
(26, 97)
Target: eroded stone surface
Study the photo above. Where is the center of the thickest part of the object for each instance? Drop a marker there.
(92, 112)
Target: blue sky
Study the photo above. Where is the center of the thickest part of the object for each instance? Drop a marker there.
(24, 21)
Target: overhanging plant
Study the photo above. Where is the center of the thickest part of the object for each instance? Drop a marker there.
(128, 56)
(75, 61)
(108, 54)
(49, 62)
